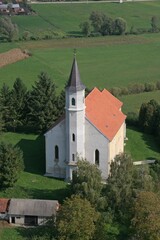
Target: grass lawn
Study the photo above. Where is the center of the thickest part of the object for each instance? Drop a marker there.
(103, 62)
(32, 183)
(141, 146)
(137, 14)
(132, 103)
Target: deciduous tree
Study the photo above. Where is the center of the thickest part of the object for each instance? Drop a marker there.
(146, 221)
(76, 220)
(87, 182)
(119, 186)
(8, 30)
(86, 28)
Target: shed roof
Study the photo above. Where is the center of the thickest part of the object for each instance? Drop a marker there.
(33, 207)
(4, 204)
(103, 111)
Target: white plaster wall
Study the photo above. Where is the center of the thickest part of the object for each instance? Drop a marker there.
(55, 136)
(96, 140)
(116, 146)
(75, 117)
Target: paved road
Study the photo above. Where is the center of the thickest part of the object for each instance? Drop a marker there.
(107, 1)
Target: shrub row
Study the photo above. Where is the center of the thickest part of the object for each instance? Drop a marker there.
(135, 88)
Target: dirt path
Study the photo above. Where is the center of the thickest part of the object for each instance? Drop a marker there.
(12, 56)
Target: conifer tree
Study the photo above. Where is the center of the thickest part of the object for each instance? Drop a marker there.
(42, 104)
(18, 103)
(11, 164)
(5, 105)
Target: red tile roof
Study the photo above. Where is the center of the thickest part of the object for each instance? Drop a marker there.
(103, 111)
(3, 204)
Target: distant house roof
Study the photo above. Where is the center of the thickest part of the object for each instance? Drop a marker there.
(3, 6)
(74, 82)
(12, 5)
(103, 111)
(33, 207)
(4, 205)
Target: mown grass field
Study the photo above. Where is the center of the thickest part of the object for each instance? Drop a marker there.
(103, 62)
(141, 146)
(132, 103)
(67, 17)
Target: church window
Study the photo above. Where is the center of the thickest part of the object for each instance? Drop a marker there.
(73, 102)
(97, 157)
(73, 137)
(56, 152)
(73, 157)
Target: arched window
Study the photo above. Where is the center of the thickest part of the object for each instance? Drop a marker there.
(73, 157)
(73, 137)
(97, 157)
(73, 102)
(56, 152)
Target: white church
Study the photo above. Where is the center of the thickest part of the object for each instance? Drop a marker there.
(92, 128)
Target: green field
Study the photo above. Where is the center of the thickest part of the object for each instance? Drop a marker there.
(32, 183)
(67, 17)
(132, 103)
(141, 146)
(103, 62)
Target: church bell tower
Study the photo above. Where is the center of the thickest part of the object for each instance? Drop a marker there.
(75, 119)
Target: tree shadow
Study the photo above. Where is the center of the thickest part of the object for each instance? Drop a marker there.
(151, 141)
(75, 34)
(49, 194)
(33, 154)
(34, 232)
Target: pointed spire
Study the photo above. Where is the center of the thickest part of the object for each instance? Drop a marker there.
(74, 82)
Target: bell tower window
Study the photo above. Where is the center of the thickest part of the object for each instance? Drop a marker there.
(73, 102)
(73, 157)
(97, 157)
(73, 137)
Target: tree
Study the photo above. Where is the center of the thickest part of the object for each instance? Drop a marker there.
(149, 117)
(154, 24)
(119, 186)
(18, 103)
(61, 104)
(1, 123)
(5, 105)
(146, 220)
(107, 27)
(42, 104)
(76, 219)
(8, 30)
(11, 164)
(97, 20)
(142, 179)
(86, 28)
(120, 26)
(87, 182)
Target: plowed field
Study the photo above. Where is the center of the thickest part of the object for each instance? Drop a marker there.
(12, 56)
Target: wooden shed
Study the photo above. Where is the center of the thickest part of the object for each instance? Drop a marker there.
(31, 211)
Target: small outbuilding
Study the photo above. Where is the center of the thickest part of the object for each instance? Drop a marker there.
(31, 211)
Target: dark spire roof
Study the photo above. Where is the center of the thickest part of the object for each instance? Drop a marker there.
(74, 82)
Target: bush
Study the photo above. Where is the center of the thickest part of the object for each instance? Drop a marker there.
(115, 91)
(158, 85)
(149, 87)
(136, 88)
